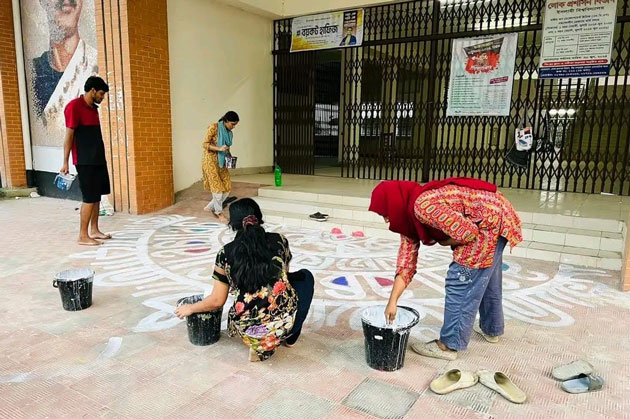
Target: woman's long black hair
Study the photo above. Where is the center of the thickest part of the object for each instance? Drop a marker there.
(230, 116)
(250, 252)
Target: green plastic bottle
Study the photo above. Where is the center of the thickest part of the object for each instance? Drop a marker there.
(278, 175)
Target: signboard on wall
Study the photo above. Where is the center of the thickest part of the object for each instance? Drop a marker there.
(59, 41)
(327, 30)
(482, 74)
(577, 38)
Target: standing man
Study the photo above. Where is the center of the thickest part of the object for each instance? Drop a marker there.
(85, 140)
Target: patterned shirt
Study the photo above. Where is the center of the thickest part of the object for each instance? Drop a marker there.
(263, 318)
(473, 217)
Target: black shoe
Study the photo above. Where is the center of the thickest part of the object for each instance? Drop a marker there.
(228, 201)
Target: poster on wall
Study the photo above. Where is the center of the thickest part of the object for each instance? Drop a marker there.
(59, 40)
(327, 30)
(482, 73)
(577, 38)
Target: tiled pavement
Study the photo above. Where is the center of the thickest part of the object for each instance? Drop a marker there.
(126, 356)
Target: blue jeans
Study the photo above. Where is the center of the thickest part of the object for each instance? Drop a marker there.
(471, 290)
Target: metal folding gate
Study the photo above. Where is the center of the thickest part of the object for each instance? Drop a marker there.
(392, 106)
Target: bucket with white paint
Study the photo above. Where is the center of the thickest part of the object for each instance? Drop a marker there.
(386, 344)
(75, 288)
(203, 328)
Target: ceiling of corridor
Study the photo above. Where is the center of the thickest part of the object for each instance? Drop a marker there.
(286, 8)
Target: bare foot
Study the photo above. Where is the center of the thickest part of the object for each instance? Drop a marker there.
(222, 218)
(444, 347)
(253, 356)
(101, 236)
(88, 241)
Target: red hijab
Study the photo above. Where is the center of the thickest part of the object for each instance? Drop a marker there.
(395, 200)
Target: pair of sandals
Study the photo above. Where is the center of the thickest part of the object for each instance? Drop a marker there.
(318, 216)
(578, 377)
(456, 379)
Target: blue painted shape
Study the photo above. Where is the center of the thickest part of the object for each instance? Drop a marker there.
(505, 267)
(340, 281)
(195, 242)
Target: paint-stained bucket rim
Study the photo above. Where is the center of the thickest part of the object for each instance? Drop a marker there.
(71, 275)
(185, 300)
(375, 316)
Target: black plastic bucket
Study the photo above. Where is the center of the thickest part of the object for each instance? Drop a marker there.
(385, 345)
(203, 328)
(75, 288)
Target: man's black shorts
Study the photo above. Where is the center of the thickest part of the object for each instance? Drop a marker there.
(93, 182)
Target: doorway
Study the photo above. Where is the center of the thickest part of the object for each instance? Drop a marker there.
(327, 94)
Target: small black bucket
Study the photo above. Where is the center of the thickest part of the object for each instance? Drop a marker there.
(75, 287)
(385, 345)
(203, 328)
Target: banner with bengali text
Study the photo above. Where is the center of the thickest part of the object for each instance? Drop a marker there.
(327, 30)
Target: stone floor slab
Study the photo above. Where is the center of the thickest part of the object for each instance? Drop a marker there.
(286, 403)
(380, 399)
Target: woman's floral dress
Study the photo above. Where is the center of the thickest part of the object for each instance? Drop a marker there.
(262, 319)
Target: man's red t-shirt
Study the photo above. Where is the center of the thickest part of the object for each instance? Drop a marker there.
(88, 147)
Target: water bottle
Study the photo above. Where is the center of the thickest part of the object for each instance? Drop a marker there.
(278, 175)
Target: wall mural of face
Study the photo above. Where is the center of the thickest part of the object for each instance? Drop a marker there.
(63, 17)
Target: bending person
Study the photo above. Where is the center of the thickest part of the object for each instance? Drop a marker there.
(477, 222)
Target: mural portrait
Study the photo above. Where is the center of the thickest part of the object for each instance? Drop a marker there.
(59, 55)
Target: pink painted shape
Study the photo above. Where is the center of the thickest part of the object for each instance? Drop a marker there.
(358, 234)
(384, 282)
(197, 250)
(336, 231)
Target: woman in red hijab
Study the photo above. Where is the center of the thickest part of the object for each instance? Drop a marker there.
(477, 221)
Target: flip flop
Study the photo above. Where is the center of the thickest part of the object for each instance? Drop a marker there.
(585, 383)
(318, 216)
(453, 380)
(572, 370)
(98, 243)
(500, 383)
